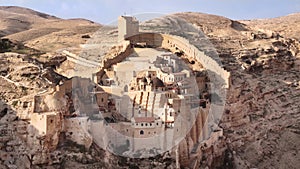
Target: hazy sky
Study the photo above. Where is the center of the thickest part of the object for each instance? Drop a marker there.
(105, 11)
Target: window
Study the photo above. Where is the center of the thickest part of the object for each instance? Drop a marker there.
(102, 100)
(142, 124)
(142, 132)
(146, 124)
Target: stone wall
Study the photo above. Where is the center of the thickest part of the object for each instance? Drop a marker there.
(170, 42)
(119, 57)
(77, 130)
(176, 43)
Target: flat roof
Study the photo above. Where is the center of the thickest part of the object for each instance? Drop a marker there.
(144, 119)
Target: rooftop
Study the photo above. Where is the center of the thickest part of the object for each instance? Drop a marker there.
(144, 119)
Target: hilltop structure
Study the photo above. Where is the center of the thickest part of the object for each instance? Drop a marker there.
(156, 99)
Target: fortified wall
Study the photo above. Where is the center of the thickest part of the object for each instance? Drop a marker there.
(117, 58)
(177, 43)
(172, 43)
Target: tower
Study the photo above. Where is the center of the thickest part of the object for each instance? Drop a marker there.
(127, 26)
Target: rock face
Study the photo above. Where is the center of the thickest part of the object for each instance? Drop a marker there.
(261, 121)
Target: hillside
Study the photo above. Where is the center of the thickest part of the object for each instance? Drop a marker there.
(288, 26)
(17, 19)
(261, 119)
(41, 31)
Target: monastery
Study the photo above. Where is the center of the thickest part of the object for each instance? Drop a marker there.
(145, 100)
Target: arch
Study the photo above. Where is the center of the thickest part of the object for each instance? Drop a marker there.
(141, 132)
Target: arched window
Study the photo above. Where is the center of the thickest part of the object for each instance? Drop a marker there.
(142, 132)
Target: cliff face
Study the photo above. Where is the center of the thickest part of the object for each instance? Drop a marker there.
(261, 119)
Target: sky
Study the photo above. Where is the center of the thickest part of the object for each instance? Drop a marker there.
(107, 11)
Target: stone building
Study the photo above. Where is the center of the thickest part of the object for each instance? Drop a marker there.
(146, 127)
(101, 98)
(128, 26)
(174, 77)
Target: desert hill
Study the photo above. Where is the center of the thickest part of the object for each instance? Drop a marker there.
(288, 26)
(41, 31)
(17, 19)
(213, 24)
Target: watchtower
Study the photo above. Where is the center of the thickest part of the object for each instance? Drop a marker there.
(127, 26)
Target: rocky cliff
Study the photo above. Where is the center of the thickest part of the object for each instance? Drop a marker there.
(261, 120)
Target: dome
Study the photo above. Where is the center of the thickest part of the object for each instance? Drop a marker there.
(156, 82)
